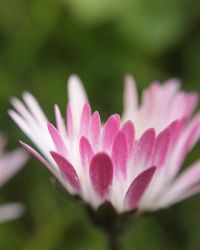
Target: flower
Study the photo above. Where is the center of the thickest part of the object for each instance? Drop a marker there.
(161, 104)
(169, 111)
(131, 163)
(10, 164)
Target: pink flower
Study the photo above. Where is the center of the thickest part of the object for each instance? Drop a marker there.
(126, 165)
(160, 105)
(169, 111)
(10, 164)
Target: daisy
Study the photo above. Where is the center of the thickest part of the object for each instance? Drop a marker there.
(131, 163)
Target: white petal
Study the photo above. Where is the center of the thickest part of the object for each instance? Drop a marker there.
(77, 98)
(130, 98)
(10, 211)
(35, 109)
(186, 185)
(60, 122)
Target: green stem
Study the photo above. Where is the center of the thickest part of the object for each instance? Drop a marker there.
(114, 241)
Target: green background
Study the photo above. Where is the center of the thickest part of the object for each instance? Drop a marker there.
(41, 43)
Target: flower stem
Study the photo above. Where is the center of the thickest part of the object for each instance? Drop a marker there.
(114, 241)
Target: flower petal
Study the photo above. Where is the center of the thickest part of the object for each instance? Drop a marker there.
(60, 124)
(101, 173)
(38, 134)
(67, 170)
(69, 121)
(130, 98)
(120, 153)
(192, 133)
(35, 108)
(187, 102)
(38, 156)
(138, 187)
(183, 195)
(188, 178)
(144, 148)
(85, 119)
(129, 130)
(176, 128)
(11, 163)
(185, 143)
(77, 98)
(58, 140)
(161, 148)
(110, 130)
(95, 129)
(86, 151)
(10, 211)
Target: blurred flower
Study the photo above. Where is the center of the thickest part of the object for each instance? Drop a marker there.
(10, 164)
(161, 104)
(116, 163)
(168, 110)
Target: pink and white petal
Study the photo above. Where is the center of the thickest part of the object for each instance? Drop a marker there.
(161, 148)
(85, 119)
(58, 140)
(68, 171)
(51, 167)
(22, 110)
(187, 140)
(188, 178)
(170, 198)
(120, 154)
(137, 188)
(171, 86)
(110, 130)
(86, 152)
(151, 99)
(169, 90)
(159, 100)
(192, 101)
(101, 174)
(11, 163)
(187, 102)
(95, 129)
(193, 131)
(184, 195)
(35, 108)
(183, 186)
(22, 124)
(176, 129)
(60, 124)
(144, 149)
(129, 130)
(11, 211)
(39, 136)
(77, 98)
(69, 121)
(130, 98)
(36, 131)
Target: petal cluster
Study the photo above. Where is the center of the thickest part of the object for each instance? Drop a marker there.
(131, 162)
(170, 111)
(10, 164)
(160, 104)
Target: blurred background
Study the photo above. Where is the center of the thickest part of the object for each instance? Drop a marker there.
(41, 43)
